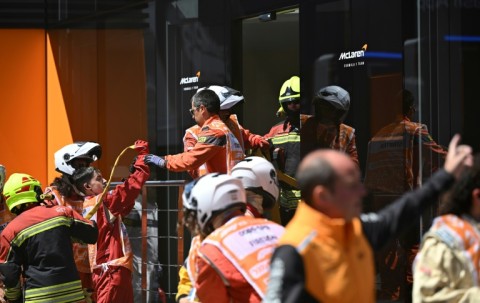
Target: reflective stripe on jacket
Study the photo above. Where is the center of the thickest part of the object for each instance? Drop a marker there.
(38, 232)
(80, 250)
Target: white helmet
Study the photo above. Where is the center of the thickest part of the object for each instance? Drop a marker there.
(258, 175)
(79, 150)
(213, 194)
(227, 95)
(187, 195)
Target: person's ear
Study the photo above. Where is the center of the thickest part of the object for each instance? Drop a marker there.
(86, 187)
(321, 194)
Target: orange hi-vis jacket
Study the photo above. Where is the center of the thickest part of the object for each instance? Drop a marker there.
(234, 260)
(192, 258)
(245, 138)
(80, 250)
(337, 258)
(189, 140)
(393, 165)
(188, 272)
(315, 135)
(216, 147)
(113, 246)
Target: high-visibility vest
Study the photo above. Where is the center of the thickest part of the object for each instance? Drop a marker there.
(192, 132)
(248, 243)
(234, 151)
(192, 259)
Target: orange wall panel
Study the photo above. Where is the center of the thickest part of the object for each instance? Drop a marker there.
(23, 130)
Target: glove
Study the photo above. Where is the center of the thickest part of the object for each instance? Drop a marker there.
(259, 141)
(142, 147)
(131, 168)
(154, 159)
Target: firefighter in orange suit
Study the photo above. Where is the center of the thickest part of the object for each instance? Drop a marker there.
(326, 128)
(229, 99)
(217, 147)
(233, 259)
(326, 252)
(111, 258)
(67, 160)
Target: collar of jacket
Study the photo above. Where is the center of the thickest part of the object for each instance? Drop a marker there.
(334, 228)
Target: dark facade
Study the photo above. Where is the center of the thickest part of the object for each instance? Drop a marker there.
(373, 49)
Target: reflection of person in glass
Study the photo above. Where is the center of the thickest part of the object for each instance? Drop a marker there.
(326, 128)
(394, 167)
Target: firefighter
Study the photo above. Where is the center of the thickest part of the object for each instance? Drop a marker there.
(326, 128)
(284, 139)
(44, 233)
(233, 259)
(217, 147)
(67, 160)
(111, 257)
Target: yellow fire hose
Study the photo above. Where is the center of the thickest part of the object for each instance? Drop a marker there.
(97, 205)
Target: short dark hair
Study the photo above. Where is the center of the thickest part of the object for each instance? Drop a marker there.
(207, 98)
(318, 172)
(82, 175)
(63, 185)
(458, 200)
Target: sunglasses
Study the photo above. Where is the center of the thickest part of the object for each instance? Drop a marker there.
(192, 110)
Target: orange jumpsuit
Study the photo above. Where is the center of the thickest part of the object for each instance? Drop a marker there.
(246, 139)
(216, 147)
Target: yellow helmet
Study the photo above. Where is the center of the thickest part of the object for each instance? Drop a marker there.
(21, 189)
(290, 91)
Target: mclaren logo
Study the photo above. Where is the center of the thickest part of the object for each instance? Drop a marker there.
(354, 54)
(188, 80)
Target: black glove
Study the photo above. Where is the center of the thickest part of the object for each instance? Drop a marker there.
(131, 169)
